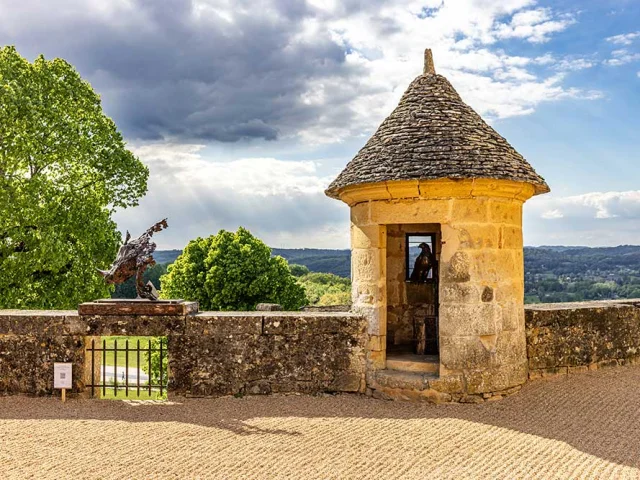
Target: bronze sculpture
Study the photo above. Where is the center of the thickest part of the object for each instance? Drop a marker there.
(133, 259)
(424, 264)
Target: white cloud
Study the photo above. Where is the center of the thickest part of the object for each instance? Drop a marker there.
(387, 44)
(595, 218)
(183, 164)
(502, 99)
(594, 205)
(571, 64)
(535, 25)
(552, 214)
(624, 38)
(282, 202)
(622, 57)
(564, 63)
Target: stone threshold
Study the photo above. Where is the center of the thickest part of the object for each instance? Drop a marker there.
(410, 362)
(426, 387)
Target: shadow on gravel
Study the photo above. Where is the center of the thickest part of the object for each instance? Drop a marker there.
(597, 412)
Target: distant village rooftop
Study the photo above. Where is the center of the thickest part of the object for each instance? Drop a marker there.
(433, 134)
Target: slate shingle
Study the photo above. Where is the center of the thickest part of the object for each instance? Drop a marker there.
(433, 134)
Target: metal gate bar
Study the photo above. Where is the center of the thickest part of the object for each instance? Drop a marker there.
(103, 350)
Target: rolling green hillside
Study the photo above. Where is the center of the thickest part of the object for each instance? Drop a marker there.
(337, 262)
(568, 274)
(552, 274)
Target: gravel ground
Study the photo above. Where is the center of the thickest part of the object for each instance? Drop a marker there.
(584, 426)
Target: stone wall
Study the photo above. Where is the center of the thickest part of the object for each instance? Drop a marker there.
(211, 353)
(223, 353)
(574, 337)
(31, 341)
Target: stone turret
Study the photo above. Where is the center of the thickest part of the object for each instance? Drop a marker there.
(435, 169)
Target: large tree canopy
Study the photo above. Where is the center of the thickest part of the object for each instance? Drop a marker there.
(64, 168)
(232, 271)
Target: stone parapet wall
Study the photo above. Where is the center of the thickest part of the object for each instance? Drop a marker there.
(31, 341)
(211, 353)
(567, 338)
(225, 354)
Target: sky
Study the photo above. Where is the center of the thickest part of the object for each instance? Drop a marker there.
(245, 110)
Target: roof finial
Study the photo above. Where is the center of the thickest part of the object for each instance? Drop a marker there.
(429, 68)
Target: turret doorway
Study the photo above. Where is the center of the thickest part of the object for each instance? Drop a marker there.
(413, 258)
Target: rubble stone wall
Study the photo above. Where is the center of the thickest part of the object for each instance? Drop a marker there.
(210, 353)
(30, 343)
(227, 353)
(567, 338)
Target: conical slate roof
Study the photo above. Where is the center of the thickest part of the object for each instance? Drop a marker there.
(433, 134)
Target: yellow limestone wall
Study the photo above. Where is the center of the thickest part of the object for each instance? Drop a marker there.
(482, 340)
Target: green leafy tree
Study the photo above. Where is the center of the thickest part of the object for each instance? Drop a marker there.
(154, 374)
(326, 289)
(232, 271)
(298, 270)
(64, 168)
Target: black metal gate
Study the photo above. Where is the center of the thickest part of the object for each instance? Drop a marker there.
(156, 381)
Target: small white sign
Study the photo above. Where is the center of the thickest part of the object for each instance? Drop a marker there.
(62, 377)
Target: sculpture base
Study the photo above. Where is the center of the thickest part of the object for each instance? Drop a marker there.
(120, 306)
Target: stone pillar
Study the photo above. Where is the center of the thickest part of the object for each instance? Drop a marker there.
(368, 275)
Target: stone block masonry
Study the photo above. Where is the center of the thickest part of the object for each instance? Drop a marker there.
(268, 352)
(478, 222)
(30, 343)
(228, 353)
(569, 338)
(210, 354)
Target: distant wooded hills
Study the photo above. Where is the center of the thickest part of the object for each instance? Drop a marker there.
(337, 262)
(166, 256)
(552, 273)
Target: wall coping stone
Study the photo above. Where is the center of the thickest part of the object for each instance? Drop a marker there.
(74, 313)
(69, 322)
(276, 314)
(37, 313)
(631, 302)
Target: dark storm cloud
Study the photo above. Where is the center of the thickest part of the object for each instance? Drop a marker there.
(177, 69)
